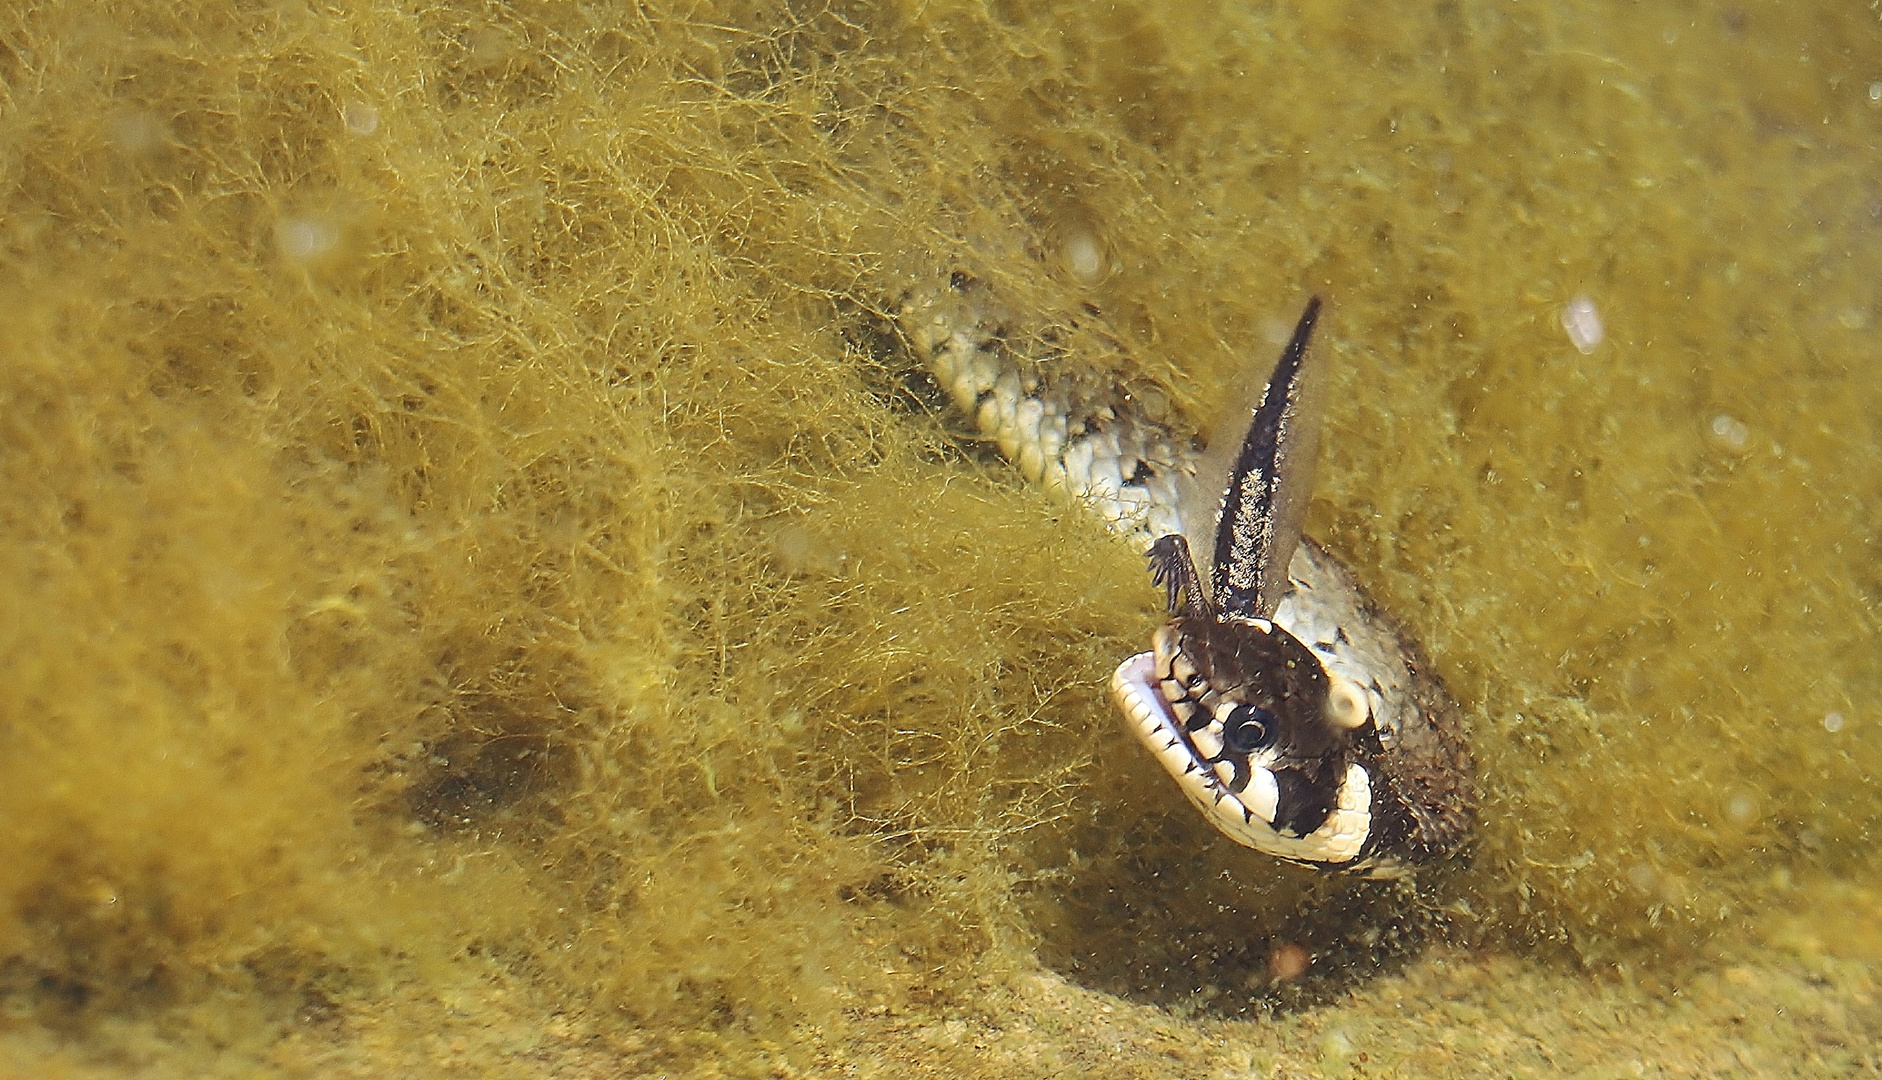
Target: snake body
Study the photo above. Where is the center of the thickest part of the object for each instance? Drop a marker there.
(1294, 713)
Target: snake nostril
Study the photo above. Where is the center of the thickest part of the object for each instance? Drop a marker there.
(1248, 728)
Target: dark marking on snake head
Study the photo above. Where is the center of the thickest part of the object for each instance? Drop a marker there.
(1307, 797)
(1278, 684)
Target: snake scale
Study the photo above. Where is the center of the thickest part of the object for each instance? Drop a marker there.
(1294, 713)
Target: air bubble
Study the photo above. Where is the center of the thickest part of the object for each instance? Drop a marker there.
(1583, 324)
(1084, 257)
(304, 239)
(1730, 431)
(1875, 93)
(1742, 808)
(1833, 722)
(361, 118)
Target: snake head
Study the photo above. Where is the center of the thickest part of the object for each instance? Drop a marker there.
(1255, 670)
(1241, 713)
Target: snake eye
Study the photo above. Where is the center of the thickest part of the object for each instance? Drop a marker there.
(1249, 728)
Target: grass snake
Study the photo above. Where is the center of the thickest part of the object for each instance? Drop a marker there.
(1291, 710)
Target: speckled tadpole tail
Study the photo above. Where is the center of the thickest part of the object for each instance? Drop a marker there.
(1294, 713)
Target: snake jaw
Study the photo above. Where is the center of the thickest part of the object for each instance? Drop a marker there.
(1246, 816)
(1134, 686)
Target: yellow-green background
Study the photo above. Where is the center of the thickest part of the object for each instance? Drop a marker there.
(478, 593)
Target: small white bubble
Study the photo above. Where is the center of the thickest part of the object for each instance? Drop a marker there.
(361, 118)
(1875, 92)
(1084, 257)
(1583, 324)
(1742, 808)
(305, 238)
(1833, 722)
(1730, 431)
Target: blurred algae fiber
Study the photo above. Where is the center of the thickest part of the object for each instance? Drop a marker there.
(468, 520)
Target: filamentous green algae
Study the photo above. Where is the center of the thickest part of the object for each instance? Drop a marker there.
(487, 591)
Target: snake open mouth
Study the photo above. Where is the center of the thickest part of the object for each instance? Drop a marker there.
(1246, 803)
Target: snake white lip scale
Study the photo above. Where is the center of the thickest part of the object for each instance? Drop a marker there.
(1290, 710)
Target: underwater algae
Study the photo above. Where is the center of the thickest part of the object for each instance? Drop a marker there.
(484, 589)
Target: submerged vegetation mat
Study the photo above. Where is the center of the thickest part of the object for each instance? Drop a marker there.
(486, 586)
